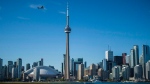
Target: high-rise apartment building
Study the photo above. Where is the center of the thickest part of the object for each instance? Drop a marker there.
(92, 69)
(9, 69)
(138, 72)
(132, 58)
(148, 70)
(35, 64)
(104, 64)
(75, 66)
(15, 64)
(125, 72)
(141, 60)
(115, 73)
(80, 71)
(19, 66)
(27, 66)
(109, 55)
(14, 72)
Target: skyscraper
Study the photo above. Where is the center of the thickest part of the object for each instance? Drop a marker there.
(75, 66)
(148, 70)
(85, 64)
(125, 72)
(109, 55)
(19, 66)
(41, 61)
(80, 71)
(64, 56)
(9, 69)
(14, 72)
(124, 58)
(27, 66)
(115, 73)
(136, 53)
(118, 60)
(132, 60)
(62, 68)
(72, 65)
(146, 57)
(128, 59)
(104, 64)
(138, 72)
(67, 31)
(1, 64)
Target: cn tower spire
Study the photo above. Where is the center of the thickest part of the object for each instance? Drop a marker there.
(67, 57)
(67, 14)
(67, 29)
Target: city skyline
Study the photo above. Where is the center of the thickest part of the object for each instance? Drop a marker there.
(27, 32)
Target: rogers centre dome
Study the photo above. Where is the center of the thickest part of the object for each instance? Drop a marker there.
(42, 71)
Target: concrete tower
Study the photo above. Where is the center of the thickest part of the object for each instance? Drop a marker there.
(67, 31)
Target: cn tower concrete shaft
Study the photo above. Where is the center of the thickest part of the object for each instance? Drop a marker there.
(67, 57)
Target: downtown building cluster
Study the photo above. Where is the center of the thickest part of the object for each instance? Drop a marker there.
(14, 70)
(113, 68)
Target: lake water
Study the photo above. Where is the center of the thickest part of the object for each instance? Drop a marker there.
(105, 83)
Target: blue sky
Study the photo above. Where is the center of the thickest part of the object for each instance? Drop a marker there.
(31, 34)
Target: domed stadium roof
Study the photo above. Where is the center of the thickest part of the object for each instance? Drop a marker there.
(43, 71)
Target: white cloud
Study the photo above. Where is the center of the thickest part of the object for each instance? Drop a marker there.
(23, 18)
(62, 12)
(33, 6)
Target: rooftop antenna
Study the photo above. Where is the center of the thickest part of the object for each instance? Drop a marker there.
(108, 47)
(67, 14)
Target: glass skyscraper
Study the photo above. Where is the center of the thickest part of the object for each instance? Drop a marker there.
(19, 66)
(109, 55)
(146, 57)
(132, 59)
(136, 53)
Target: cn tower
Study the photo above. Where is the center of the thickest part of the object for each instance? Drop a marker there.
(67, 57)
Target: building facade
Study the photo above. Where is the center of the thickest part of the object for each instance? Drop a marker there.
(109, 55)
(148, 70)
(27, 66)
(125, 72)
(124, 58)
(1, 64)
(19, 66)
(132, 59)
(136, 53)
(146, 57)
(115, 73)
(138, 72)
(81, 71)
